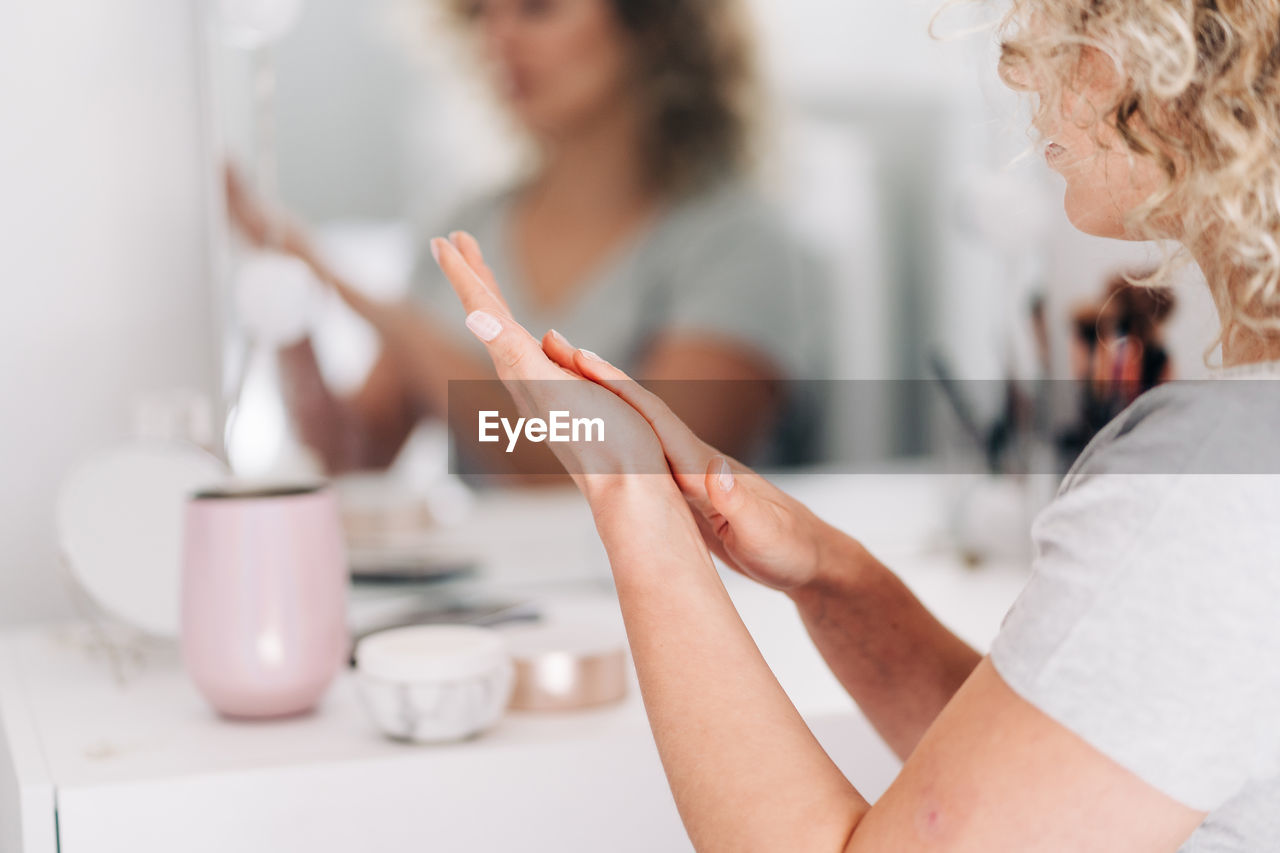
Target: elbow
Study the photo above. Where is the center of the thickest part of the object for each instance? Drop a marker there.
(835, 832)
(849, 841)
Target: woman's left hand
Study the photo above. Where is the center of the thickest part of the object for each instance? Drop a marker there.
(539, 386)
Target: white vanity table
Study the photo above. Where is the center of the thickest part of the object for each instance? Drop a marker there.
(93, 764)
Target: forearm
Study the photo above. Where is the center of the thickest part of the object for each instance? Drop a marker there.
(325, 422)
(897, 661)
(745, 771)
(427, 359)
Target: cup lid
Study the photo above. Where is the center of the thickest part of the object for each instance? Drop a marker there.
(431, 653)
(238, 489)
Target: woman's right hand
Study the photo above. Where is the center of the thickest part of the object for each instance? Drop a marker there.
(756, 528)
(265, 229)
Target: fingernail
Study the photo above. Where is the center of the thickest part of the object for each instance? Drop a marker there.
(435, 248)
(561, 338)
(589, 354)
(484, 326)
(724, 479)
(453, 237)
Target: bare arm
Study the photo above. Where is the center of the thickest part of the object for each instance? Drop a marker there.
(894, 658)
(897, 661)
(363, 431)
(745, 770)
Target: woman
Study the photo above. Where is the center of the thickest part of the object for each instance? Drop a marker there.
(640, 116)
(1130, 701)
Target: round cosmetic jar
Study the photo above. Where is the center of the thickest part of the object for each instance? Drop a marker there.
(434, 683)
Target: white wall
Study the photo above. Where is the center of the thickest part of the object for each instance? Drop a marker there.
(103, 187)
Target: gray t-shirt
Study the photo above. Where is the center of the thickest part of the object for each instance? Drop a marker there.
(721, 262)
(1151, 623)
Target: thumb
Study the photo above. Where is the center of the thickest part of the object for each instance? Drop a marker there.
(728, 498)
(751, 528)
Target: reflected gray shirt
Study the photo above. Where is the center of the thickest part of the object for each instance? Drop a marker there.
(719, 262)
(1151, 623)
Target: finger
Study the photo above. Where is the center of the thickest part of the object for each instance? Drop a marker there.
(514, 351)
(470, 251)
(711, 537)
(746, 521)
(648, 404)
(733, 507)
(230, 180)
(243, 211)
(687, 453)
(559, 350)
(467, 284)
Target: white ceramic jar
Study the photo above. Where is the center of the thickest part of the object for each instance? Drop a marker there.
(434, 683)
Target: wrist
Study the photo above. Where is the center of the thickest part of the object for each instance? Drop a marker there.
(632, 511)
(839, 560)
(627, 491)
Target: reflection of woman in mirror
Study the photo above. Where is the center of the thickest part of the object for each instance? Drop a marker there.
(635, 229)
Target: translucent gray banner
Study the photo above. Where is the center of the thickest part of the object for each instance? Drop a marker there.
(1216, 426)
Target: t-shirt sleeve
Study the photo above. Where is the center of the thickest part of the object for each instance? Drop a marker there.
(1151, 624)
(736, 271)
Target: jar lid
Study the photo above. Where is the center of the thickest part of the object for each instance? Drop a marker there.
(431, 653)
(563, 667)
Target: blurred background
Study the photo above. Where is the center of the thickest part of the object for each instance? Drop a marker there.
(897, 163)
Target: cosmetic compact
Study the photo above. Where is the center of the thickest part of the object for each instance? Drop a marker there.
(434, 683)
(566, 665)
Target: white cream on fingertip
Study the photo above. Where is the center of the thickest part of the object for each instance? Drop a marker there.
(484, 326)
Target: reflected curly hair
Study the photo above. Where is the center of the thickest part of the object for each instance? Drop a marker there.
(696, 76)
(1201, 96)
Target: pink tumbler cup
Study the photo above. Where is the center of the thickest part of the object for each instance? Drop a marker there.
(264, 592)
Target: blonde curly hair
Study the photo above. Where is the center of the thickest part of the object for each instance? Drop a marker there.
(1199, 93)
